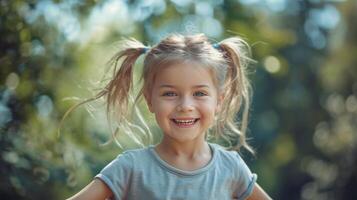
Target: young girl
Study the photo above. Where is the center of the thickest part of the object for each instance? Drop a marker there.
(194, 89)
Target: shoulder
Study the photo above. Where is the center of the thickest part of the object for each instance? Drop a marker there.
(126, 162)
(227, 157)
(133, 155)
(221, 151)
(134, 152)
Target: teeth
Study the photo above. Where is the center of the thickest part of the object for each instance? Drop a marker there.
(185, 121)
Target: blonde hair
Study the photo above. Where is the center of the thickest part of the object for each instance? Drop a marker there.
(228, 60)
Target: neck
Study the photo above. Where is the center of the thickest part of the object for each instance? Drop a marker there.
(187, 149)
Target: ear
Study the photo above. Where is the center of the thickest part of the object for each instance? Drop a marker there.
(148, 101)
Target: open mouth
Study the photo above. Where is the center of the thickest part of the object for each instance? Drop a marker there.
(185, 122)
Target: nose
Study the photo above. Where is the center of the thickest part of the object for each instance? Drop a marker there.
(185, 105)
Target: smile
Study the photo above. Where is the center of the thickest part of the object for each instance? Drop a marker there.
(185, 122)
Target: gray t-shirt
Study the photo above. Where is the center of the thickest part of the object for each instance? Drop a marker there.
(142, 174)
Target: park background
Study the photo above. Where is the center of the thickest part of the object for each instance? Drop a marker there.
(303, 120)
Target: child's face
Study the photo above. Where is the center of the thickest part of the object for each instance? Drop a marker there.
(184, 100)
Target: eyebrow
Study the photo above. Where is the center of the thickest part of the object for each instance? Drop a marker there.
(196, 86)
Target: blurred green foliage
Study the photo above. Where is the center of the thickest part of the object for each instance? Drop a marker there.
(304, 114)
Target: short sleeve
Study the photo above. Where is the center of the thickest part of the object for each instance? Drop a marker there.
(116, 175)
(246, 179)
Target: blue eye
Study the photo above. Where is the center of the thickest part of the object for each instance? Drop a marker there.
(200, 94)
(169, 94)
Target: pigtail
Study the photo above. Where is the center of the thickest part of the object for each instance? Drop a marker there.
(236, 91)
(117, 91)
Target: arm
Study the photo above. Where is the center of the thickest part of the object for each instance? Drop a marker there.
(258, 194)
(95, 190)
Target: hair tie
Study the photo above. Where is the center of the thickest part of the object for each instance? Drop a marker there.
(216, 46)
(144, 50)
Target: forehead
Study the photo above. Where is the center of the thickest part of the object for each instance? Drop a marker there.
(185, 74)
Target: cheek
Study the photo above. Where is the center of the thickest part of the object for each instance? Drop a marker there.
(162, 108)
(210, 108)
